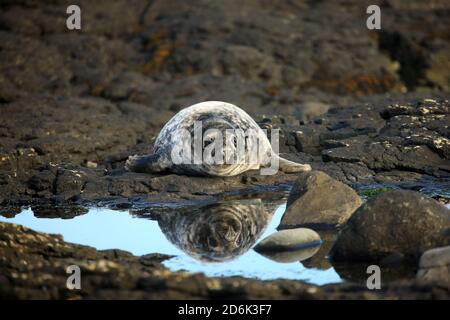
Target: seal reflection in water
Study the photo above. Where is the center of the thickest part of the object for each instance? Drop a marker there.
(217, 232)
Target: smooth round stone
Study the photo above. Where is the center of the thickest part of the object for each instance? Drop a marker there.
(289, 240)
(291, 255)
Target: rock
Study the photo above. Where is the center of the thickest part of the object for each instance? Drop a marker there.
(61, 104)
(318, 200)
(154, 258)
(392, 260)
(63, 212)
(289, 240)
(42, 180)
(389, 155)
(33, 266)
(91, 164)
(399, 221)
(69, 182)
(434, 265)
(424, 122)
(308, 138)
(413, 136)
(291, 255)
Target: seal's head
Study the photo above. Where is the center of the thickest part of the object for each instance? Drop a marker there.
(218, 232)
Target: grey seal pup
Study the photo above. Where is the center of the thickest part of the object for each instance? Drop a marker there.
(217, 232)
(212, 120)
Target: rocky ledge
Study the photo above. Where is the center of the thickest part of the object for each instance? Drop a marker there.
(400, 144)
(34, 266)
(365, 107)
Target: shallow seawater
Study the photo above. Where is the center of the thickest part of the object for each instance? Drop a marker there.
(191, 236)
(215, 239)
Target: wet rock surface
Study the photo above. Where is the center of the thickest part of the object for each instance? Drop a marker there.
(68, 103)
(365, 107)
(395, 222)
(33, 266)
(318, 201)
(405, 150)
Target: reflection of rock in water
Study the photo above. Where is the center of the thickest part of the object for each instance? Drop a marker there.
(357, 272)
(10, 212)
(319, 260)
(65, 212)
(217, 232)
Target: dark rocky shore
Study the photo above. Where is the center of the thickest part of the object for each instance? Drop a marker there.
(365, 107)
(33, 267)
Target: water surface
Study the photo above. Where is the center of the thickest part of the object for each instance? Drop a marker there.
(111, 229)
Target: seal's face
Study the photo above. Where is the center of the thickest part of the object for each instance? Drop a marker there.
(212, 145)
(212, 138)
(218, 232)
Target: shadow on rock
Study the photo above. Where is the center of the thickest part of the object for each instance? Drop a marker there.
(217, 232)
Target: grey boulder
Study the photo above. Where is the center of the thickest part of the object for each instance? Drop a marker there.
(395, 222)
(317, 200)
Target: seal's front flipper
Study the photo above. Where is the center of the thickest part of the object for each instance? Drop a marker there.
(146, 163)
(288, 166)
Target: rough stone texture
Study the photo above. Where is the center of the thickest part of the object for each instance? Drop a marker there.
(397, 221)
(33, 266)
(434, 265)
(75, 104)
(90, 98)
(318, 200)
(415, 137)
